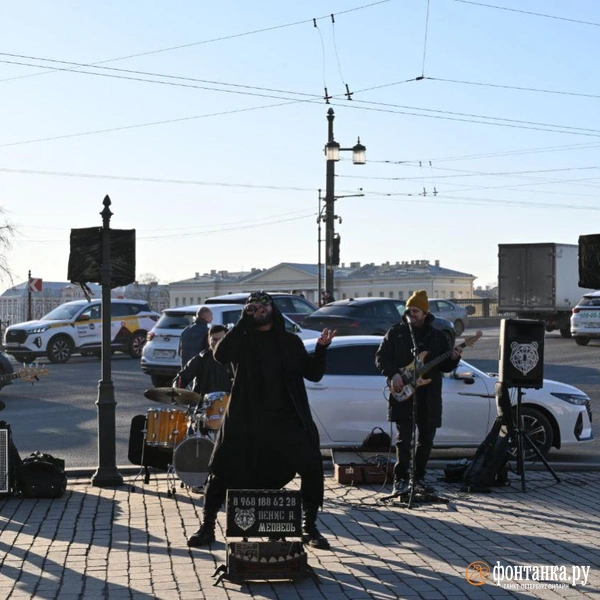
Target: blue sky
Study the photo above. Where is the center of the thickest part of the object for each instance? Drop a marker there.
(207, 124)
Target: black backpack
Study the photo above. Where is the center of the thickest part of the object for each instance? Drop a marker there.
(489, 466)
(41, 476)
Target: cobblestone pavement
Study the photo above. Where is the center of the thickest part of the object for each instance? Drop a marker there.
(118, 543)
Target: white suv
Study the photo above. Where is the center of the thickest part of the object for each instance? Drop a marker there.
(160, 357)
(585, 320)
(76, 327)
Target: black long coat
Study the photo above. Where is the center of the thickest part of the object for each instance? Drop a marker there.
(395, 353)
(236, 458)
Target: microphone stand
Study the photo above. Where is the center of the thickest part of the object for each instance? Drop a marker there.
(413, 454)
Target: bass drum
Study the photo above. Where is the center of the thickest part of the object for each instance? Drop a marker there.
(190, 460)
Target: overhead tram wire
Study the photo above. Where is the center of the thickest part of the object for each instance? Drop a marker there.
(209, 41)
(513, 87)
(530, 13)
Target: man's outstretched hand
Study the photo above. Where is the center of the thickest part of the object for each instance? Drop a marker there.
(326, 336)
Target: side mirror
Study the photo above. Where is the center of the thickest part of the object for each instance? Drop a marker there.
(85, 317)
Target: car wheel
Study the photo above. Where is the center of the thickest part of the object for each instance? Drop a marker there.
(161, 381)
(136, 344)
(60, 349)
(537, 426)
(459, 327)
(582, 341)
(565, 332)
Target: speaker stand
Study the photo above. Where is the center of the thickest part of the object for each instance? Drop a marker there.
(522, 438)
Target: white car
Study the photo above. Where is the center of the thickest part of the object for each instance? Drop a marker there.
(160, 357)
(76, 328)
(350, 401)
(585, 320)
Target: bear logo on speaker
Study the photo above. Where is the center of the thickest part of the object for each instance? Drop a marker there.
(524, 357)
(244, 518)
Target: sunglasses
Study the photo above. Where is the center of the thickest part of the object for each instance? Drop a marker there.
(259, 299)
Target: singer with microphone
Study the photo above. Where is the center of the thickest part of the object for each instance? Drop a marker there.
(412, 339)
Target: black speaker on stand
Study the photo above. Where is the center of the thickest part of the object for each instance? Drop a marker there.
(521, 365)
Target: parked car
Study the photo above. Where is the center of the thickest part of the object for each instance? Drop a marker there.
(585, 319)
(446, 309)
(366, 316)
(76, 328)
(160, 357)
(295, 307)
(349, 402)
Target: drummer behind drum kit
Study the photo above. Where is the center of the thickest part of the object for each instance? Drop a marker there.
(178, 438)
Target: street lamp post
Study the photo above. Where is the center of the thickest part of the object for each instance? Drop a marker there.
(332, 155)
(107, 474)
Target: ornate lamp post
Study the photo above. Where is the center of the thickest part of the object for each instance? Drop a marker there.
(332, 155)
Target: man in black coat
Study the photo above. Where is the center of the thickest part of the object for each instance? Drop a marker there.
(397, 351)
(268, 434)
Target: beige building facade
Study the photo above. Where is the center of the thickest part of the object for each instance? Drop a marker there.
(390, 280)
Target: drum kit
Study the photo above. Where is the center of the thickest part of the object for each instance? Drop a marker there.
(184, 431)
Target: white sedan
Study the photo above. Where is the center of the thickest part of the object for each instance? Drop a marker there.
(350, 401)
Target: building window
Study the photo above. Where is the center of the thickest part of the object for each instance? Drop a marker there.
(410, 292)
(199, 299)
(451, 294)
(381, 294)
(343, 296)
(391, 294)
(370, 294)
(401, 295)
(176, 301)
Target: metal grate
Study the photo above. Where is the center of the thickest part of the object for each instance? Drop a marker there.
(4, 483)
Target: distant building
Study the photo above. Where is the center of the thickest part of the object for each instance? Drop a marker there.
(389, 280)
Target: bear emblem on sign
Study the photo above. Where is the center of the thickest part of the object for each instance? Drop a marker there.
(524, 357)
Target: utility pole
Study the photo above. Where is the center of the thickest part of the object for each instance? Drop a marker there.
(332, 154)
(29, 295)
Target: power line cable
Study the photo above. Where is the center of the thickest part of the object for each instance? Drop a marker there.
(440, 114)
(526, 12)
(209, 41)
(425, 41)
(513, 87)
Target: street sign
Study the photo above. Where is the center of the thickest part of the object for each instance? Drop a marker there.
(35, 285)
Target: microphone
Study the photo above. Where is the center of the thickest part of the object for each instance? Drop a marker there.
(408, 317)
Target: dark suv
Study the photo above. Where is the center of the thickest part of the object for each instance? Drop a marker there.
(295, 307)
(366, 316)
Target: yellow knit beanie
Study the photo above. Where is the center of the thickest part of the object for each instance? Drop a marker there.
(419, 300)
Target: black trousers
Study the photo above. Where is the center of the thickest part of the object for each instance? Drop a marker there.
(293, 445)
(425, 437)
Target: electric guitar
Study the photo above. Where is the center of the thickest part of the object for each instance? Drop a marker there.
(27, 373)
(408, 372)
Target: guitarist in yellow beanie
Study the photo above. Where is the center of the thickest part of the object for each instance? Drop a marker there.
(408, 346)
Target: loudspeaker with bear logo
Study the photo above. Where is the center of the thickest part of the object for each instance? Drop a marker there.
(521, 360)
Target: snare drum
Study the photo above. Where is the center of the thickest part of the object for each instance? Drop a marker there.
(190, 460)
(165, 427)
(215, 405)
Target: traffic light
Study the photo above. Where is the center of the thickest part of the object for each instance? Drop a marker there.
(335, 253)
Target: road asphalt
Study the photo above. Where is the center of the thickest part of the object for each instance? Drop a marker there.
(129, 541)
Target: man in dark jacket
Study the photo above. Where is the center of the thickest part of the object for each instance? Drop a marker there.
(397, 351)
(207, 374)
(268, 434)
(194, 338)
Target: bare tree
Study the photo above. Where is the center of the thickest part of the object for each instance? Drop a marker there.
(7, 233)
(147, 288)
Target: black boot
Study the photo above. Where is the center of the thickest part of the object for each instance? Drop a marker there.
(310, 533)
(206, 534)
(214, 495)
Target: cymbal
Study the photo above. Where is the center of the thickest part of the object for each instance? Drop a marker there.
(169, 395)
